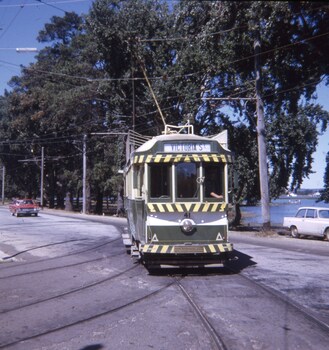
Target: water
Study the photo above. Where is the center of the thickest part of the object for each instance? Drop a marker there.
(278, 209)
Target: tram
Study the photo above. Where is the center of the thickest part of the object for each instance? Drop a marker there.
(176, 198)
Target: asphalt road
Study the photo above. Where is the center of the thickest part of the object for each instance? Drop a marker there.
(66, 282)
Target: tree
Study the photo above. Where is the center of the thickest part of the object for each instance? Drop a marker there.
(291, 34)
(53, 104)
(325, 192)
(199, 60)
(121, 31)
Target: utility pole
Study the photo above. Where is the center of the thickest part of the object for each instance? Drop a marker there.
(42, 171)
(261, 138)
(3, 183)
(133, 93)
(84, 174)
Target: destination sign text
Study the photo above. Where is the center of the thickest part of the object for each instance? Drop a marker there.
(186, 147)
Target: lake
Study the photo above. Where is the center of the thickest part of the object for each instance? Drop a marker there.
(252, 215)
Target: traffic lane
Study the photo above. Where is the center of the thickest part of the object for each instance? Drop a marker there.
(248, 316)
(49, 235)
(137, 311)
(54, 294)
(116, 315)
(169, 319)
(297, 269)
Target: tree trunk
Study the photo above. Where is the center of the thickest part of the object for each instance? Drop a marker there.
(235, 216)
(261, 138)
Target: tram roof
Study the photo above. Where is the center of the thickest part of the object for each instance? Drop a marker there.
(171, 137)
(175, 146)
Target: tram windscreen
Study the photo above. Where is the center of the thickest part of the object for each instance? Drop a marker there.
(213, 179)
(160, 184)
(186, 175)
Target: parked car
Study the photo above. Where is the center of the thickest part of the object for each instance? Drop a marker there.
(311, 221)
(20, 207)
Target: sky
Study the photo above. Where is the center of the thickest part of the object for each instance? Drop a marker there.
(21, 20)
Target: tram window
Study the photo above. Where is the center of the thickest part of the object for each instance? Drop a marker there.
(186, 176)
(160, 180)
(138, 179)
(213, 179)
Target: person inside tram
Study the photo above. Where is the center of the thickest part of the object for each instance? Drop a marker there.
(215, 195)
(213, 182)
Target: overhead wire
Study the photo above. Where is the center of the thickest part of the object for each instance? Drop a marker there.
(90, 80)
(56, 2)
(51, 5)
(12, 21)
(178, 76)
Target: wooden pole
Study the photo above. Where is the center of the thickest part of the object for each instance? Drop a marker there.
(261, 138)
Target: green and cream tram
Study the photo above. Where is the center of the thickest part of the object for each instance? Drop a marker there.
(176, 199)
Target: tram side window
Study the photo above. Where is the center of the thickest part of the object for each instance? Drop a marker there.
(186, 176)
(213, 179)
(138, 179)
(160, 180)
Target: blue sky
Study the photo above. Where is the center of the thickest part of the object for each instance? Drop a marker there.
(21, 20)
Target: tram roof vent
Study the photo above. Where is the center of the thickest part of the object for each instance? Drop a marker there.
(182, 129)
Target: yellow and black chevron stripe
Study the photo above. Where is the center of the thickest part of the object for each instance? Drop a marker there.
(184, 207)
(174, 158)
(188, 249)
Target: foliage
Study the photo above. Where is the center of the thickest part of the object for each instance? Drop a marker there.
(325, 192)
(199, 59)
(293, 36)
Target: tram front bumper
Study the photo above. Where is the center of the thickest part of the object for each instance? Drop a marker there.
(186, 254)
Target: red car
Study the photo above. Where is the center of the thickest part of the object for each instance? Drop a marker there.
(21, 207)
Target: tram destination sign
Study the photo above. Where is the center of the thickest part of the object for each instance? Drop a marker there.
(186, 147)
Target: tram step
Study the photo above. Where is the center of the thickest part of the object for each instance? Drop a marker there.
(134, 252)
(126, 240)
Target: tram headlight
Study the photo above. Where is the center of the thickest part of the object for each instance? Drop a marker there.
(187, 225)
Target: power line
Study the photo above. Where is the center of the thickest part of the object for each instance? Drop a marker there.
(51, 5)
(58, 2)
(12, 21)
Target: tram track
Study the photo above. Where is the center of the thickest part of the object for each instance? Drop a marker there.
(43, 274)
(69, 292)
(280, 296)
(64, 255)
(218, 309)
(221, 335)
(169, 281)
(187, 290)
(217, 339)
(39, 262)
(12, 343)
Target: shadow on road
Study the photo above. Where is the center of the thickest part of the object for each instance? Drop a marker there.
(239, 262)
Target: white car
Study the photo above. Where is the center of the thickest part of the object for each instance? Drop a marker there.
(310, 221)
